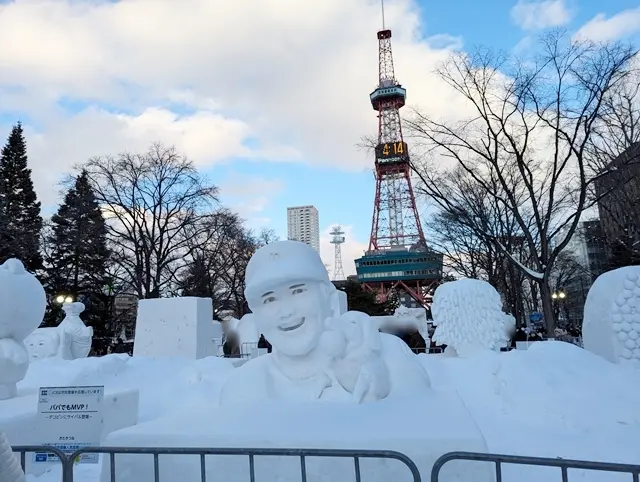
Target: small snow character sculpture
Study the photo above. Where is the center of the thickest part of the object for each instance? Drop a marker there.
(75, 337)
(469, 318)
(611, 326)
(23, 303)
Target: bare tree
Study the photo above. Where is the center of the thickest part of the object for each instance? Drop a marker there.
(217, 267)
(459, 231)
(156, 203)
(524, 144)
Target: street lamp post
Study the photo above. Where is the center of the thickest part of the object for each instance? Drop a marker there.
(558, 296)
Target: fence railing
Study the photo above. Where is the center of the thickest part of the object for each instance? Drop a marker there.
(68, 461)
(562, 464)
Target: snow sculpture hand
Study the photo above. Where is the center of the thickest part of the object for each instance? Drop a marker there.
(361, 370)
(14, 363)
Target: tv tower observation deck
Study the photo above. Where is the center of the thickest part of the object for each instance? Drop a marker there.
(398, 259)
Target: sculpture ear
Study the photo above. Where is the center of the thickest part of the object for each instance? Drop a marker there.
(334, 301)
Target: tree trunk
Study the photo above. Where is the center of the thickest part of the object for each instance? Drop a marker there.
(547, 307)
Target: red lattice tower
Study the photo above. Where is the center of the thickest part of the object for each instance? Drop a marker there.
(395, 216)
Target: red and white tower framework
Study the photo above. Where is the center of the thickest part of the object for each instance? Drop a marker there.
(395, 216)
(398, 258)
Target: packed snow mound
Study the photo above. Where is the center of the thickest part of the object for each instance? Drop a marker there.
(469, 318)
(165, 384)
(553, 400)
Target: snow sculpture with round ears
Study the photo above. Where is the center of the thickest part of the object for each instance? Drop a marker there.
(611, 325)
(23, 303)
(469, 318)
(319, 351)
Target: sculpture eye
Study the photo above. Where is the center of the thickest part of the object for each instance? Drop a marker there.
(297, 291)
(270, 299)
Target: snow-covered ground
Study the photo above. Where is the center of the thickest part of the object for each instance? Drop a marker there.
(553, 400)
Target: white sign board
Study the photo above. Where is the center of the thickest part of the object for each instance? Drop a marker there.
(71, 418)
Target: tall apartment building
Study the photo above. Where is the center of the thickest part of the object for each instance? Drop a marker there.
(303, 225)
(588, 249)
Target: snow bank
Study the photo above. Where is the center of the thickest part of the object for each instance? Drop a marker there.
(554, 399)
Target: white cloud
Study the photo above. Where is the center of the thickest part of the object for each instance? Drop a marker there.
(249, 197)
(603, 29)
(351, 250)
(538, 15)
(277, 79)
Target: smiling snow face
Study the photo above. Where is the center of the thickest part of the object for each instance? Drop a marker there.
(291, 316)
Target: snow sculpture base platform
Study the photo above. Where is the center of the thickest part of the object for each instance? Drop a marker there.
(175, 327)
(19, 418)
(20, 421)
(423, 428)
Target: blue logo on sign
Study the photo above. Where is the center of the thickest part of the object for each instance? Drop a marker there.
(41, 457)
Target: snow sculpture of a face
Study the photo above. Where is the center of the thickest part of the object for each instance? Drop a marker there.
(289, 292)
(468, 316)
(611, 326)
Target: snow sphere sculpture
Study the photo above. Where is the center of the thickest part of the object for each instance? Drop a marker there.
(23, 303)
(469, 318)
(611, 325)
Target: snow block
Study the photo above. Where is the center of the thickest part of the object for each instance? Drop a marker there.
(175, 327)
(421, 428)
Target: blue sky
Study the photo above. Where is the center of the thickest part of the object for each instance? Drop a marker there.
(269, 100)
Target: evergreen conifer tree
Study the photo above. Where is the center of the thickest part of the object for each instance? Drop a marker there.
(20, 220)
(78, 257)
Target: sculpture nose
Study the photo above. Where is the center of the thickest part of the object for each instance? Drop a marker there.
(286, 313)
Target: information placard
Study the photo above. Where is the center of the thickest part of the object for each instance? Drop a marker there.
(72, 419)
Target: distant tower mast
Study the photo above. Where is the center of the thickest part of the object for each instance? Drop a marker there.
(395, 216)
(337, 238)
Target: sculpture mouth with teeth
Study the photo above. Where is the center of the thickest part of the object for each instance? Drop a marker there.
(292, 327)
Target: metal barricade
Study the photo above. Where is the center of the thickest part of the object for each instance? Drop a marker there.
(45, 451)
(251, 453)
(563, 464)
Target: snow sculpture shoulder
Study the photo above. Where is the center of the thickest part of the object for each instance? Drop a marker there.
(611, 325)
(469, 318)
(319, 351)
(23, 302)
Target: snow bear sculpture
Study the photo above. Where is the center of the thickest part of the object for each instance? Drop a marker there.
(23, 303)
(469, 318)
(319, 351)
(611, 325)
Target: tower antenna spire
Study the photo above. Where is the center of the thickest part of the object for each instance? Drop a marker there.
(383, 23)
